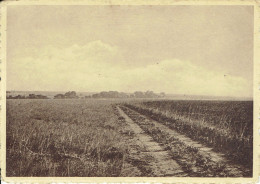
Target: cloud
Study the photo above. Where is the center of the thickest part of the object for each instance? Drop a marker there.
(183, 77)
(99, 66)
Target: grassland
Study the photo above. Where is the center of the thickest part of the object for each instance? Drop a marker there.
(63, 138)
(227, 126)
(91, 138)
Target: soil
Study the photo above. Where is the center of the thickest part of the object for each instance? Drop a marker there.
(154, 159)
(149, 156)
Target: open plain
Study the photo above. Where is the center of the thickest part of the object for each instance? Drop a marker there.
(109, 137)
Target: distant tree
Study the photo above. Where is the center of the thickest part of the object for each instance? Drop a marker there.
(103, 94)
(150, 94)
(19, 97)
(97, 95)
(113, 94)
(9, 97)
(41, 97)
(71, 94)
(59, 96)
(110, 94)
(139, 94)
(31, 96)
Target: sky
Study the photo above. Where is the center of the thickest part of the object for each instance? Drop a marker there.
(192, 50)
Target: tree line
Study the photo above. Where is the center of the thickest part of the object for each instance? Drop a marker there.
(103, 94)
(116, 94)
(111, 94)
(67, 95)
(30, 96)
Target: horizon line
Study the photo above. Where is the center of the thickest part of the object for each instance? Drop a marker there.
(167, 94)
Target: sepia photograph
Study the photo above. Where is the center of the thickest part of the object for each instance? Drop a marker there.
(129, 91)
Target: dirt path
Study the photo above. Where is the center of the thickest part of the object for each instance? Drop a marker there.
(149, 156)
(215, 163)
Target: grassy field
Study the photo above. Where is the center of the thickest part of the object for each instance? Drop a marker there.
(227, 126)
(91, 138)
(63, 138)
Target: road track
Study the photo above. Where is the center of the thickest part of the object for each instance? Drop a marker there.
(152, 159)
(161, 162)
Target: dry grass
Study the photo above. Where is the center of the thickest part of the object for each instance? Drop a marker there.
(225, 126)
(188, 157)
(89, 137)
(63, 138)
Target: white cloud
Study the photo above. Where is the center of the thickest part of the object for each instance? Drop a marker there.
(183, 77)
(99, 66)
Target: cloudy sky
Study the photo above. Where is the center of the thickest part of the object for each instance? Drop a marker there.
(199, 50)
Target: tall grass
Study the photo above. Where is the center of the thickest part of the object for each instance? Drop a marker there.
(225, 126)
(63, 138)
(234, 116)
(193, 163)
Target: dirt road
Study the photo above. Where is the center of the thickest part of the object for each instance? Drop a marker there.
(164, 152)
(148, 155)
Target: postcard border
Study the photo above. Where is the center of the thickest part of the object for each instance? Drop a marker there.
(256, 97)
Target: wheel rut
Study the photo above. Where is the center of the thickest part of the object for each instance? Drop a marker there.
(148, 155)
(206, 162)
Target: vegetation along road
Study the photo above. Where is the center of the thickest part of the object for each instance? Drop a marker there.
(129, 138)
